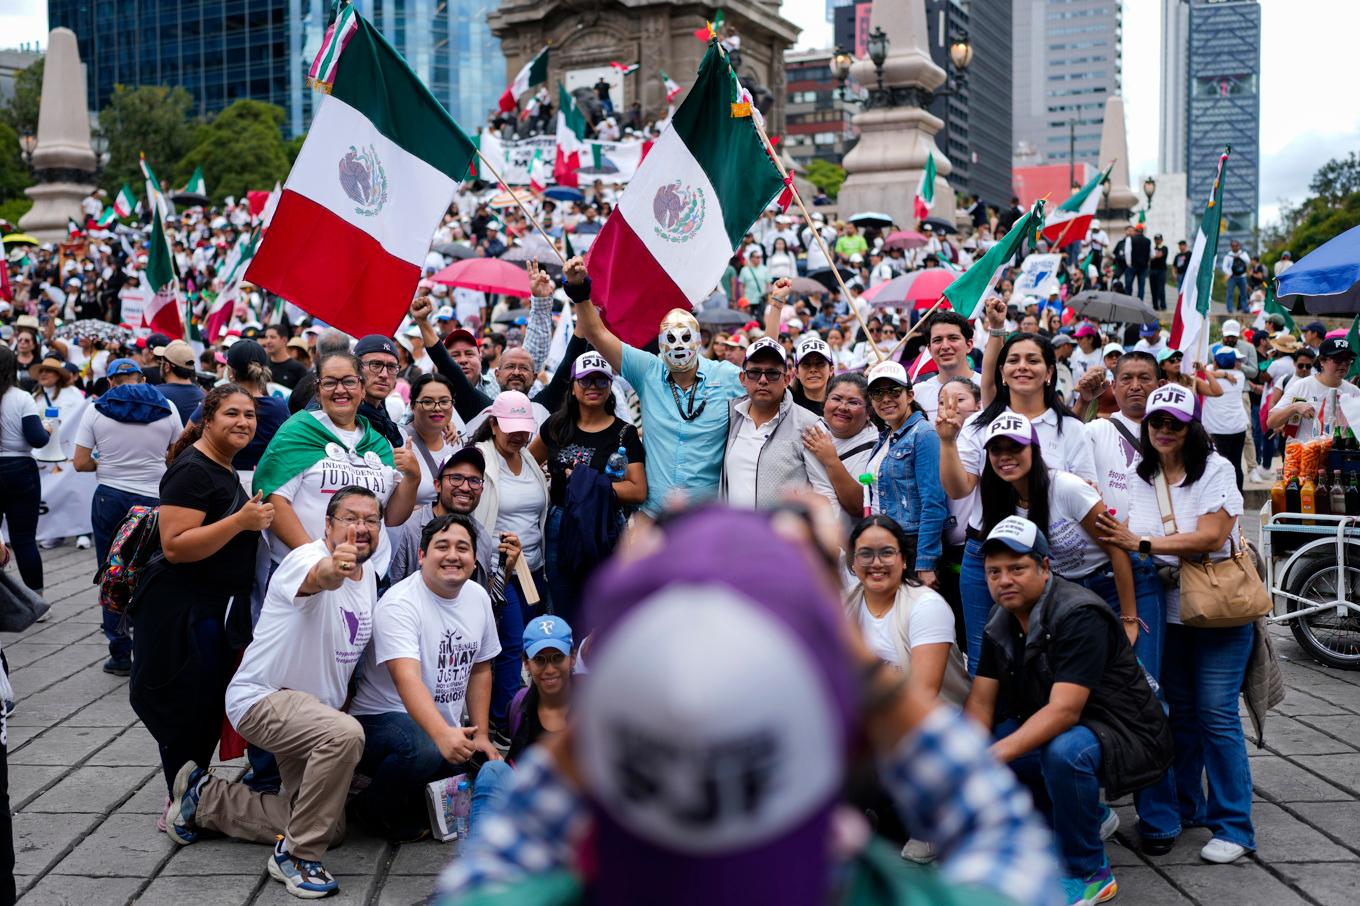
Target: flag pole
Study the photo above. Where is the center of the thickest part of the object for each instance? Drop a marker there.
(544, 233)
(807, 218)
(915, 327)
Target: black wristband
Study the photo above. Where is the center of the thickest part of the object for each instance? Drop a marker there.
(576, 292)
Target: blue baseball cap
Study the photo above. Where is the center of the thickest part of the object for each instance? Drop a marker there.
(1017, 534)
(1149, 328)
(547, 632)
(123, 366)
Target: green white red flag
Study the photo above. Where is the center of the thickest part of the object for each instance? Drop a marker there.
(106, 219)
(925, 189)
(125, 202)
(1072, 219)
(673, 88)
(197, 185)
(538, 172)
(155, 198)
(233, 275)
(624, 68)
(979, 281)
(535, 72)
(1190, 325)
(696, 193)
(162, 312)
(375, 175)
(571, 139)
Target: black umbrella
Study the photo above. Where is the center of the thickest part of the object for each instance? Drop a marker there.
(721, 317)
(189, 199)
(827, 277)
(1111, 307)
(523, 254)
(511, 316)
(939, 225)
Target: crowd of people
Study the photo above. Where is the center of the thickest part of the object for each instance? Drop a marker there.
(505, 545)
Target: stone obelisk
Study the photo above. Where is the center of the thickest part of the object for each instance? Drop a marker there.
(886, 165)
(1116, 210)
(63, 160)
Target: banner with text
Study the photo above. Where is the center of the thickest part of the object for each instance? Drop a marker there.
(618, 161)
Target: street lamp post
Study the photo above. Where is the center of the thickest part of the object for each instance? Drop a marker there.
(877, 46)
(1149, 189)
(28, 142)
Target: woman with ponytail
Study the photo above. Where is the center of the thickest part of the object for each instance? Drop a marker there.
(185, 629)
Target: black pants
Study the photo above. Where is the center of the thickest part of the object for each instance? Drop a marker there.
(20, 495)
(1157, 281)
(949, 571)
(8, 892)
(1230, 447)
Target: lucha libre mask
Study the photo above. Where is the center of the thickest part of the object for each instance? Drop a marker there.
(679, 340)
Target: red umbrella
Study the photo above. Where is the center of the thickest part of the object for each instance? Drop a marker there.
(904, 239)
(488, 275)
(917, 288)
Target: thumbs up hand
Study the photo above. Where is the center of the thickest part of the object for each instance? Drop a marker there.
(256, 515)
(405, 462)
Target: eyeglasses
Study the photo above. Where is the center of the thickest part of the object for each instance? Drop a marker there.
(470, 480)
(380, 367)
(770, 374)
(373, 522)
(330, 383)
(866, 555)
(430, 405)
(849, 402)
(597, 382)
(1167, 423)
(515, 366)
(878, 393)
(549, 658)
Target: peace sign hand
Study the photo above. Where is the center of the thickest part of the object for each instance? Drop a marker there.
(540, 284)
(948, 421)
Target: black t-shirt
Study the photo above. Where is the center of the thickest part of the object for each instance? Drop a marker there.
(801, 398)
(195, 482)
(1182, 261)
(1079, 653)
(288, 372)
(589, 448)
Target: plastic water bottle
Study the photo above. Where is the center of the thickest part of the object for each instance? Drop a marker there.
(462, 809)
(51, 451)
(617, 465)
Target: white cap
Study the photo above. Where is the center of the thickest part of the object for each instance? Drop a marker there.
(1013, 425)
(591, 363)
(1232, 328)
(1174, 400)
(811, 345)
(765, 344)
(888, 371)
(1111, 349)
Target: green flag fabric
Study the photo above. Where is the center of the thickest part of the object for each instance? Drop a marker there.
(967, 291)
(300, 443)
(1353, 338)
(1273, 307)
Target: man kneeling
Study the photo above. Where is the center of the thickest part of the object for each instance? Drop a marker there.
(286, 698)
(434, 637)
(1076, 713)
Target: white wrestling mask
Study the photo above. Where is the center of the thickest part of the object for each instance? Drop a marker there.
(679, 340)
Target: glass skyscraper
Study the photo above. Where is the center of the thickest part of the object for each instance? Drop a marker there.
(224, 50)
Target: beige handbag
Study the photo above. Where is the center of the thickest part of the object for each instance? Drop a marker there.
(1215, 594)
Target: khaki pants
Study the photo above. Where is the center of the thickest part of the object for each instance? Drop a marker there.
(317, 748)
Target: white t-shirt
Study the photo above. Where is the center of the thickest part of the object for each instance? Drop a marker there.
(1150, 348)
(426, 492)
(1072, 552)
(310, 490)
(1081, 362)
(1216, 490)
(1311, 390)
(310, 643)
(522, 503)
(931, 621)
(14, 407)
(927, 393)
(446, 635)
(131, 456)
(743, 455)
(1226, 414)
(1115, 459)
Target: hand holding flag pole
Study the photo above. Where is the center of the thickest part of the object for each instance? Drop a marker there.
(544, 233)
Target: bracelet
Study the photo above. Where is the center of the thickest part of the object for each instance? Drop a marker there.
(996, 331)
(1124, 619)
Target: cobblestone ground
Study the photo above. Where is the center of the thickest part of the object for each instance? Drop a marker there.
(86, 789)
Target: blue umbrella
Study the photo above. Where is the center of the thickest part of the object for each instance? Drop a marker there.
(1327, 279)
(564, 193)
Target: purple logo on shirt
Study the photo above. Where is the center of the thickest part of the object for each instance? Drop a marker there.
(351, 624)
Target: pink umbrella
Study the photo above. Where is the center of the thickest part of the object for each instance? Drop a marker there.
(919, 289)
(487, 275)
(904, 239)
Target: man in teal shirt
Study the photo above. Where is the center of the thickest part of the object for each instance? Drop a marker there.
(683, 395)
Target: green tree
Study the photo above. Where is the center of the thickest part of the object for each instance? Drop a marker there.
(14, 176)
(1333, 208)
(21, 113)
(1337, 178)
(241, 149)
(153, 120)
(15, 208)
(826, 176)
(295, 147)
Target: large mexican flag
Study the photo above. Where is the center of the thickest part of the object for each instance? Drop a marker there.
(696, 193)
(1190, 325)
(162, 311)
(380, 164)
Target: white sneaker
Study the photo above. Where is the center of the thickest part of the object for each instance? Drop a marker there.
(83, 543)
(918, 851)
(1109, 823)
(1222, 851)
(50, 543)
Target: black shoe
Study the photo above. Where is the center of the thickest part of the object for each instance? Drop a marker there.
(1156, 846)
(118, 666)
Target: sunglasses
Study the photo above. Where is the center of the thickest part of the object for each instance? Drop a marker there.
(878, 393)
(594, 382)
(1167, 423)
(754, 375)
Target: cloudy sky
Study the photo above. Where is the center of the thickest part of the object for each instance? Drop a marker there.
(1309, 110)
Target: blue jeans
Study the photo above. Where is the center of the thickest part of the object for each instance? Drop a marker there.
(1147, 589)
(107, 510)
(1139, 274)
(1201, 678)
(1237, 285)
(976, 598)
(1064, 776)
(489, 792)
(20, 498)
(560, 591)
(401, 758)
(1265, 443)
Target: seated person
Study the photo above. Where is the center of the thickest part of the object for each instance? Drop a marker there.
(434, 637)
(1076, 713)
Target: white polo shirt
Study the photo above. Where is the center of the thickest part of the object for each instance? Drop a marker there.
(743, 456)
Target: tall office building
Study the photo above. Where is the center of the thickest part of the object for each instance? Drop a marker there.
(1223, 83)
(221, 51)
(1067, 59)
(1175, 100)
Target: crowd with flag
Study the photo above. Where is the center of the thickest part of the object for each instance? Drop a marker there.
(467, 503)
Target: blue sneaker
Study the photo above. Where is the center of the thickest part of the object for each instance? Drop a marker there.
(1097, 887)
(184, 804)
(305, 879)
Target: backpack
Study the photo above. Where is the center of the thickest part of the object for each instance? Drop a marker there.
(136, 542)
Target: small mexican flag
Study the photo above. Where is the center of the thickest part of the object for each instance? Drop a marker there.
(233, 274)
(624, 68)
(925, 189)
(1072, 219)
(125, 203)
(535, 72)
(673, 88)
(979, 281)
(162, 312)
(696, 193)
(106, 219)
(571, 139)
(196, 184)
(155, 198)
(538, 172)
(72, 229)
(1190, 326)
(380, 165)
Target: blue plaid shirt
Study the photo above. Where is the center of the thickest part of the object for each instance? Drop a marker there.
(941, 776)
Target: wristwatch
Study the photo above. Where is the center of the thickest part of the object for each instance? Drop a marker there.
(1145, 545)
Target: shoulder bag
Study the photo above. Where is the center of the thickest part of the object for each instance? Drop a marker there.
(1215, 595)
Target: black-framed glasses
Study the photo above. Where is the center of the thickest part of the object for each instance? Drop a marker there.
(595, 382)
(867, 555)
(380, 367)
(770, 374)
(373, 522)
(432, 405)
(330, 383)
(1167, 423)
(471, 481)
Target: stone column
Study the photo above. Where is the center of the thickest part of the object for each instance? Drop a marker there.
(63, 159)
(1116, 211)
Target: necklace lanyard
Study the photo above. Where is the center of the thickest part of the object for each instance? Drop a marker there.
(688, 413)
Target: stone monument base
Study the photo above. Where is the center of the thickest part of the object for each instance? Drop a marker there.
(885, 166)
(53, 204)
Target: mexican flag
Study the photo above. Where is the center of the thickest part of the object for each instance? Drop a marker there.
(925, 189)
(1273, 307)
(624, 68)
(979, 281)
(535, 72)
(73, 229)
(162, 311)
(196, 184)
(1190, 326)
(673, 88)
(155, 198)
(696, 193)
(710, 28)
(1072, 218)
(125, 203)
(571, 139)
(106, 219)
(538, 172)
(380, 165)
(233, 275)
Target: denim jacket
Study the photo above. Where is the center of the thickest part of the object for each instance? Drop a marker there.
(908, 486)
